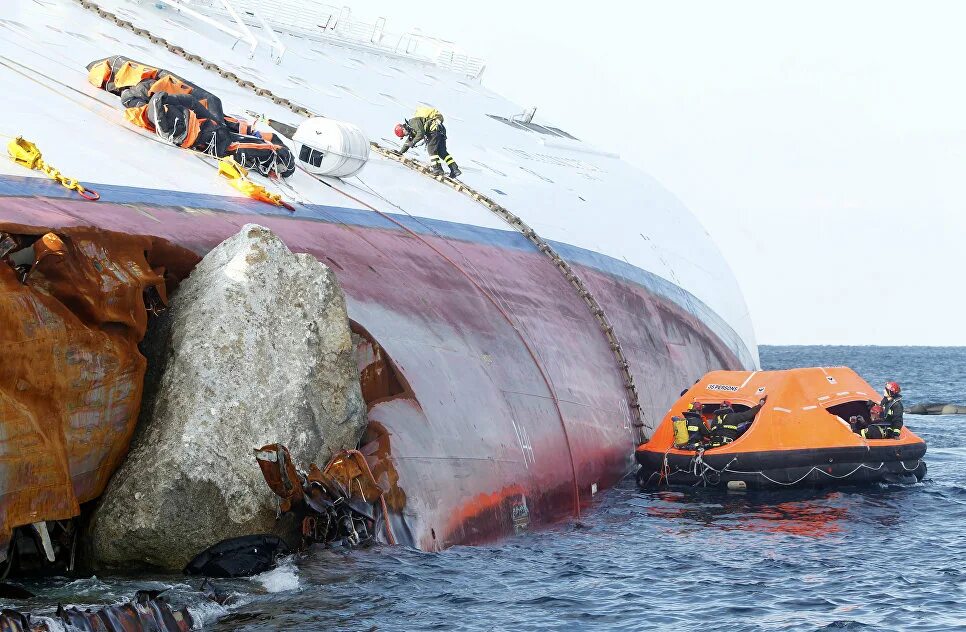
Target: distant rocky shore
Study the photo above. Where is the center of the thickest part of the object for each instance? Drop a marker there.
(936, 409)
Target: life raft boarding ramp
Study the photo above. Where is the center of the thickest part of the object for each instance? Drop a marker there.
(511, 218)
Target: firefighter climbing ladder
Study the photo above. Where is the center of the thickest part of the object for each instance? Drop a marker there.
(512, 219)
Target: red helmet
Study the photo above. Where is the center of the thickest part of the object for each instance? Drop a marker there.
(893, 387)
(400, 130)
(726, 404)
(875, 412)
(696, 406)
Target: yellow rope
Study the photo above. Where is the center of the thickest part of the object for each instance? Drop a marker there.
(25, 153)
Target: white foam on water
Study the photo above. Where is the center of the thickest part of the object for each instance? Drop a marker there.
(282, 578)
(206, 612)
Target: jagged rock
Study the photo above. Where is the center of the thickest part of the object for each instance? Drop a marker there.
(255, 349)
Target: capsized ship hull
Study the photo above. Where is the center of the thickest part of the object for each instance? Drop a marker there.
(495, 402)
(473, 433)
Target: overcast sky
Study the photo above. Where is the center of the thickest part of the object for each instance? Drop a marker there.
(822, 144)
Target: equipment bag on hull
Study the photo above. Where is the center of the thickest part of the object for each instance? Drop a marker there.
(188, 116)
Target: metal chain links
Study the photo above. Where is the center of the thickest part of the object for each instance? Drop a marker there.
(582, 290)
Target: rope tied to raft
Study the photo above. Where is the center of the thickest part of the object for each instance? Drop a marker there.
(26, 154)
(698, 461)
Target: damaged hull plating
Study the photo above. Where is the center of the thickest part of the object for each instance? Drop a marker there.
(72, 375)
(491, 410)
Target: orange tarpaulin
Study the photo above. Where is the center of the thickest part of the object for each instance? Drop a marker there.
(71, 374)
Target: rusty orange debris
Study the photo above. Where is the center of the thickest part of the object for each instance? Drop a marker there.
(71, 373)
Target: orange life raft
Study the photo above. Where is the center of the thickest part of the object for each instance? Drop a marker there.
(800, 437)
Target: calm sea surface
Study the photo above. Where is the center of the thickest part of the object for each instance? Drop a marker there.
(882, 558)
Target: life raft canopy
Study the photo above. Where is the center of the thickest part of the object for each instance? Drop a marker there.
(800, 436)
(806, 409)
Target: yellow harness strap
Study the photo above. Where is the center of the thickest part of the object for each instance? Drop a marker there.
(238, 178)
(25, 153)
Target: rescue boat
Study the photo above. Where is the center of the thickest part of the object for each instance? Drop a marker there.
(800, 437)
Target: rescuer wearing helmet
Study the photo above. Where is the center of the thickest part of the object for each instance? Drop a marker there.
(891, 411)
(861, 426)
(427, 123)
(726, 425)
(698, 432)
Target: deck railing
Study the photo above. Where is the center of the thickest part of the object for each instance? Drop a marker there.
(317, 20)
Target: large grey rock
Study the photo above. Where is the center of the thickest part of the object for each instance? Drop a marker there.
(254, 349)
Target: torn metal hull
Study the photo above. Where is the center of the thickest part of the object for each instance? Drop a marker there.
(509, 411)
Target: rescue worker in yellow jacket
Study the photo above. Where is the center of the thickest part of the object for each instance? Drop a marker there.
(427, 123)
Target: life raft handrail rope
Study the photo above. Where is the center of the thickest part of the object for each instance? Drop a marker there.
(698, 460)
(26, 154)
(813, 469)
(726, 468)
(515, 221)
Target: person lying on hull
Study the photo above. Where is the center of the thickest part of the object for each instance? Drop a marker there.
(727, 424)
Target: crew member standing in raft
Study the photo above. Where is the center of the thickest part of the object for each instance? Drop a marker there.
(724, 428)
(891, 413)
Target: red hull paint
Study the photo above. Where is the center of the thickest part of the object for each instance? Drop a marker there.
(480, 446)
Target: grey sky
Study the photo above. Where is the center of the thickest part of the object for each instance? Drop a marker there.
(821, 143)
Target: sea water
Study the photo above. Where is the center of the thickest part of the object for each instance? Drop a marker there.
(876, 558)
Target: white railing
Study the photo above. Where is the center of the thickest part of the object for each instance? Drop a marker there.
(308, 18)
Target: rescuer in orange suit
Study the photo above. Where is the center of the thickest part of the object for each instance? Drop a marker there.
(726, 424)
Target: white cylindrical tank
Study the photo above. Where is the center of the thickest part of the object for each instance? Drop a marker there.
(331, 148)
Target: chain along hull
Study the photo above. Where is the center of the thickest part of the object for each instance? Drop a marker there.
(508, 410)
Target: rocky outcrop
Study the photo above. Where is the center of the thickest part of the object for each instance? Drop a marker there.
(255, 349)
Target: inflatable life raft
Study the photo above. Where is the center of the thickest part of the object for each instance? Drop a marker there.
(800, 437)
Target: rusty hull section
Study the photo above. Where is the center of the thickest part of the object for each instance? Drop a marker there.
(71, 374)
